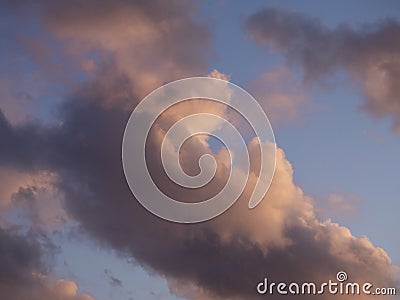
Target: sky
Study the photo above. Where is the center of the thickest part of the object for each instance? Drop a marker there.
(327, 74)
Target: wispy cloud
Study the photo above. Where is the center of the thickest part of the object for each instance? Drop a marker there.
(339, 206)
(370, 55)
(281, 94)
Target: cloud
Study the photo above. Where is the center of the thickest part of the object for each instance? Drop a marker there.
(148, 42)
(160, 39)
(280, 94)
(20, 257)
(68, 290)
(223, 258)
(339, 206)
(370, 56)
(217, 74)
(24, 269)
(31, 200)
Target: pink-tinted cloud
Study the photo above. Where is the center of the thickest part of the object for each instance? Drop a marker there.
(337, 206)
(150, 42)
(281, 95)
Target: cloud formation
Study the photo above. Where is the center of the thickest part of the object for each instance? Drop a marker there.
(226, 257)
(223, 258)
(370, 56)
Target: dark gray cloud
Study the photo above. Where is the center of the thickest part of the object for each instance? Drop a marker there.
(370, 55)
(24, 269)
(18, 147)
(20, 256)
